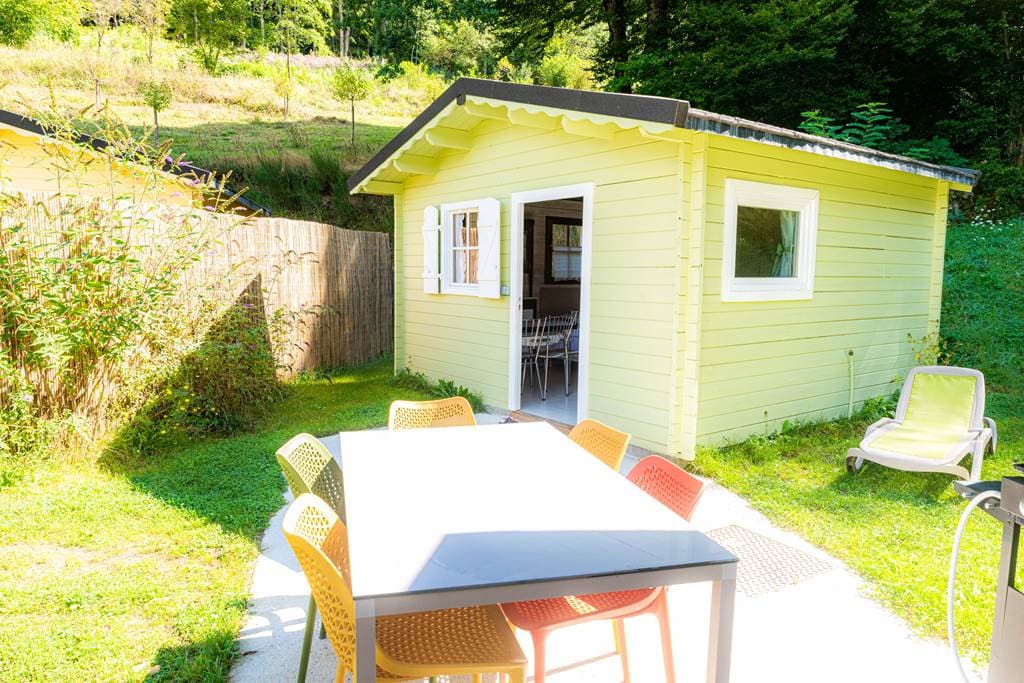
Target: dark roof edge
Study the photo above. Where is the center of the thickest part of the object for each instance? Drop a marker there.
(745, 129)
(178, 168)
(662, 110)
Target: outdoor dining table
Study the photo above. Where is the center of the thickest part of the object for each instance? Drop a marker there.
(459, 516)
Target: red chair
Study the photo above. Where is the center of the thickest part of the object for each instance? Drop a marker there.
(677, 490)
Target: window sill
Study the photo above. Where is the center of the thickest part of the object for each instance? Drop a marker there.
(762, 295)
(463, 290)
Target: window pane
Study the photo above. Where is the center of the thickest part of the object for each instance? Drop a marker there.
(460, 266)
(766, 242)
(465, 247)
(471, 236)
(558, 235)
(472, 264)
(575, 236)
(565, 263)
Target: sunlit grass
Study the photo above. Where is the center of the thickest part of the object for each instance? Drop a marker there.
(129, 572)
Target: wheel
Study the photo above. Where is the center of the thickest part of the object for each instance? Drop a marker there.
(852, 465)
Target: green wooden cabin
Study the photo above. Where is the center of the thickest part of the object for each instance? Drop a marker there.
(729, 275)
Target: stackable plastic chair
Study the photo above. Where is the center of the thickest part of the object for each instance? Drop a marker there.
(310, 468)
(463, 641)
(603, 442)
(940, 419)
(677, 490)
(445, 412)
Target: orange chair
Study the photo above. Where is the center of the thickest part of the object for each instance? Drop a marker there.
(677, 490)
(446, 412)
(603, 442)
(462, 641)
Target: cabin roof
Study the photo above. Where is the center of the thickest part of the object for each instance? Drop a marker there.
(180, 168)
(468, 100)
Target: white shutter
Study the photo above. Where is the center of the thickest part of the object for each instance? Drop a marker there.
(488, 226)
(431, 252)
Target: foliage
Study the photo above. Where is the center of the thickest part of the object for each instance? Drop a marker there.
(566, 64)
(156, 94)
(162, 549)
(351, 83)
(301, 25)
(873, 125)
(505, 70)
(447, 389)
(983, 300)
(97, 319)
(444, 388)
(211, 27)
(21, 20)
(458, 48)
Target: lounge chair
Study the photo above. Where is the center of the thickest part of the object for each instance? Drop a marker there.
(940, 419)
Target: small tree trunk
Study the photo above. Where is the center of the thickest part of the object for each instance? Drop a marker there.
(156, 128)
(352, 102)
(263, 28)
(96, 83)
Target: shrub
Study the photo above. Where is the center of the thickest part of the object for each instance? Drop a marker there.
(443, 389)
(98, 315)
(459, 48)
(565, 64)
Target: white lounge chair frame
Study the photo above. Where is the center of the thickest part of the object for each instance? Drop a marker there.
(981, 435)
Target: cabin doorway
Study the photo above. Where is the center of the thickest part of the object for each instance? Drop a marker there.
(551, 263)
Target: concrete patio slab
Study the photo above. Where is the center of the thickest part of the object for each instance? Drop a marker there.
(822, 627)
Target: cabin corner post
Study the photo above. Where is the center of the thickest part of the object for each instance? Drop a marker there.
(938, 258)
(676, 384)
(696, 197)
(398, 248)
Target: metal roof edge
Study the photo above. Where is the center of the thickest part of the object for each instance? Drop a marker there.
(745, 129)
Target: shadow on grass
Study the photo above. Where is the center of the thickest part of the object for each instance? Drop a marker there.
(233, 482)
(298, 169)
(207, 659)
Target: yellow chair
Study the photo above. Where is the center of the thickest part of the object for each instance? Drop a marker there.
(310, 468)
(603, 442)
(445, 412)
(463, 641)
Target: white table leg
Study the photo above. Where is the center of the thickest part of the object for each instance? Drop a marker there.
(366, 642)
(723, 602)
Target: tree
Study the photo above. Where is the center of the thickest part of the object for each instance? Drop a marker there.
(211, 27)
(158, 95)
(458, 48)
(351, 83)
(151, 17)
(21, 20)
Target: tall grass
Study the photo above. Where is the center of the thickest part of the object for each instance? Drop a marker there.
(983, 300)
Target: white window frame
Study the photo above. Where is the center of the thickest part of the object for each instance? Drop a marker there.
(783, 198)
(447, 245)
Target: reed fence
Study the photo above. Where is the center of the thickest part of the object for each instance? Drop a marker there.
(335, 283)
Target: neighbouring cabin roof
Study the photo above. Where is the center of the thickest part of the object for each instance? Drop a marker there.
(447, 122)
(182, 169)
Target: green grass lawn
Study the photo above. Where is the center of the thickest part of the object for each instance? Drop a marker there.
(136, 572)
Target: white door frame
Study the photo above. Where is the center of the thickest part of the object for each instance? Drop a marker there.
(515, 298)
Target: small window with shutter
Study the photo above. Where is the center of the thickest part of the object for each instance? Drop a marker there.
(470, 248)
